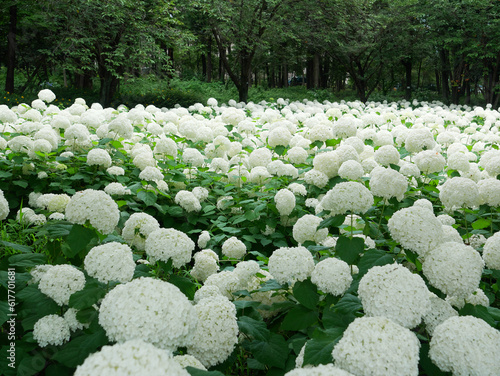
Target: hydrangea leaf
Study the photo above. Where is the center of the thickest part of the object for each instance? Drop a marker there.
(199, 372)
(373, 257)
(319, 349)
(334, 221)
(349, 249)
(481, 223)
(254, 328)
(17, 247)
(87, 297)
(272, 353)
(27, 260)
(78, 239)
(306, 293)
(149, 198)
(299, 318)
(78, 349)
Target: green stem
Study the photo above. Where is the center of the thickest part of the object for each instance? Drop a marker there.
(466, 226)
(381, 216)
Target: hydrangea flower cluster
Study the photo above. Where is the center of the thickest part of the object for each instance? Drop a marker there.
(289, 265)
(137, 229)
(60, 282)
(110, 262)
(167, 243)
(306, 229)
(347, 197)
(51, 330)
(332, 276)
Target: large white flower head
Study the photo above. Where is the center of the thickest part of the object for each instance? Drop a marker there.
(4, 206)
(193, 157)
(332, 276)
(490, 161)
(98, 157)
(388, 183)
(150, 173)
(297, 155)
(51, 330)
(377, 346)
(328, 163)
(351, 170)
(60, 282)
(458, 161)
(205, 264)
(346, 197)
(394, 292)
(110, 262)
(216, 334)
(387, 155)
(137, 228)
(279, 136)
(454, 268)
(316, 177)
(466, 345)
(416, 228)
(285, 201)
(260, 157)
(167, 243)
(430, 161)
(418, 139)
(46, 95)
(149, 309)
(289, 265)
(131, 358)
(95, 206)
(306, 228)
(188, 201)
(53, 202)
(234, 248)
(459, 192)
(440, 311)
(226, 281)
(489, 192)
(319, 370)
(491, 252)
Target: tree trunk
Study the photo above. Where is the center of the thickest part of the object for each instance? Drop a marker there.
(208, 77)
(11, 55)
(315, 72)
(445, 74)
(438, 81)
(407, 64)
(284, 74)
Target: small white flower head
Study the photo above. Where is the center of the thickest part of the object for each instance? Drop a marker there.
(137, 228)
(203, 239)
(289, 265)
(388, 183)
(394, 292)
(458, 161)
(446, 219)
(98, 157)
(440, 311)
(72, 321)
(115, 170)
(51, 330)
(459, 192)
(346, 197)
(297, 155)
(387, 155)
(418, 139)
(150, 173)
(316, 177)
(332, 276)
(466, 345)
(188, 201)
(131, 358)
(329, 162)
(167, 243)
(351, 170)
(193, 157)
(149, 309)
(306, 228)
(489, 192)
(454, 268)
(234, 248)
(117, 189)
(205, 264)
(46, 95)
(60, 282)
(200, 193)
(298, 189)
(279, 136)
(110, 262)
(377, 346)
(53, 202)
(285, 201)
(491, 252)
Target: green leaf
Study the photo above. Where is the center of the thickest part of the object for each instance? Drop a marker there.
(31, 364)
(28, 259)
(184, 284)
(272, 353)
(87, 297)
(280, 150)
(481, 223)
(478, 311)
(374, 257)
(299, 318)
(348, 304)
(175, 211)
(149, 198)
(17, 247)
(333, 142)
(306, 293)
(254, 328)
(78, 239)
(426, 363)
(333, 319)
(319, 349)
(4, 311)
(349, 249)
(270, 285)
(334, 221)
(199, 372)
(21, 183)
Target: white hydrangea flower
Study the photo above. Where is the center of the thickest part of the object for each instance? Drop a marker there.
(377, 346)
(446, 219)
(388, 183)
(203, 239)
(289, 265)
(37, 272)
(188, 201)
(332, 276)
(466, 345)
(200, 193)
(46, 95)
(137, 228)
(98, 157)
(72, 321)
(490, 161)
(279, 136)
(216, 334)
(329, 162)
(117, 189)
(260, 157)
(387, 155)
(285, 201)
(95, 206)
(306, 228)
(187, 360)
(167, 243)
(453, 268)
(319, 370)
(491, 251)
(394, 292)
(234, 248)
(150, 173)
(450, 234)
(205, 264)
(149, 309)
(418, 139)
(416, 228)
(54, 202)
(226, 281)
(351, 170)
(116, 170)
(459, 192)
(131, 358)
(4, 206)
(489, 191)
(297, 155)
(110, 262)
(316, 177)
(458, 161)
(51, 330)
(346, 197)
(478, 297)
(60, 282)
(440, 311)
(430, 161)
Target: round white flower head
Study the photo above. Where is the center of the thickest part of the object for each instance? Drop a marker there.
(459, 192)
(137, 228)
(418, 139)
(217, 331)
(429, 161)
(440, 311)
(187, 360)
(454, 268)
(306, 228)
(285, 201)
(446, 219)
(188, 201)
(328, 163)
(46, 95)
(53, 202)
(416, 228)
(167, 243)
(289, 265)
(332, 276)
(478, 297)
(115, 170)
(351, 170)
(489, 192)
(319, 370)
(226, 281)
(60, 282)
(377, 346)
(316, 177)
(388, 183)
(477, 241)
(490, 161)
(205, 264)
(297, 155)
(110, 262)
(150, 173)
(149, 309)
(116, 189)
(203, 239)
(298, 189)
(38, 271)
(98, 157)
(4, 206)
(260, 157)
(95, 206)
(387, 155)
(394, 292)
(200, 193)
(466, 345)
(72, 321)
(346, 197)
(234, 248)
(279, 136)
(450, 234)
(51, 330)
(246, 272)
(491, 252)
(458, 161)
(132, 358)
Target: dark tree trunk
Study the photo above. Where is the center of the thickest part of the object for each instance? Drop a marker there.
(284, 75)
(11, 54)
(315, 71)
(438, 81)
(445, 74)
(208, 76)
(407, 64)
